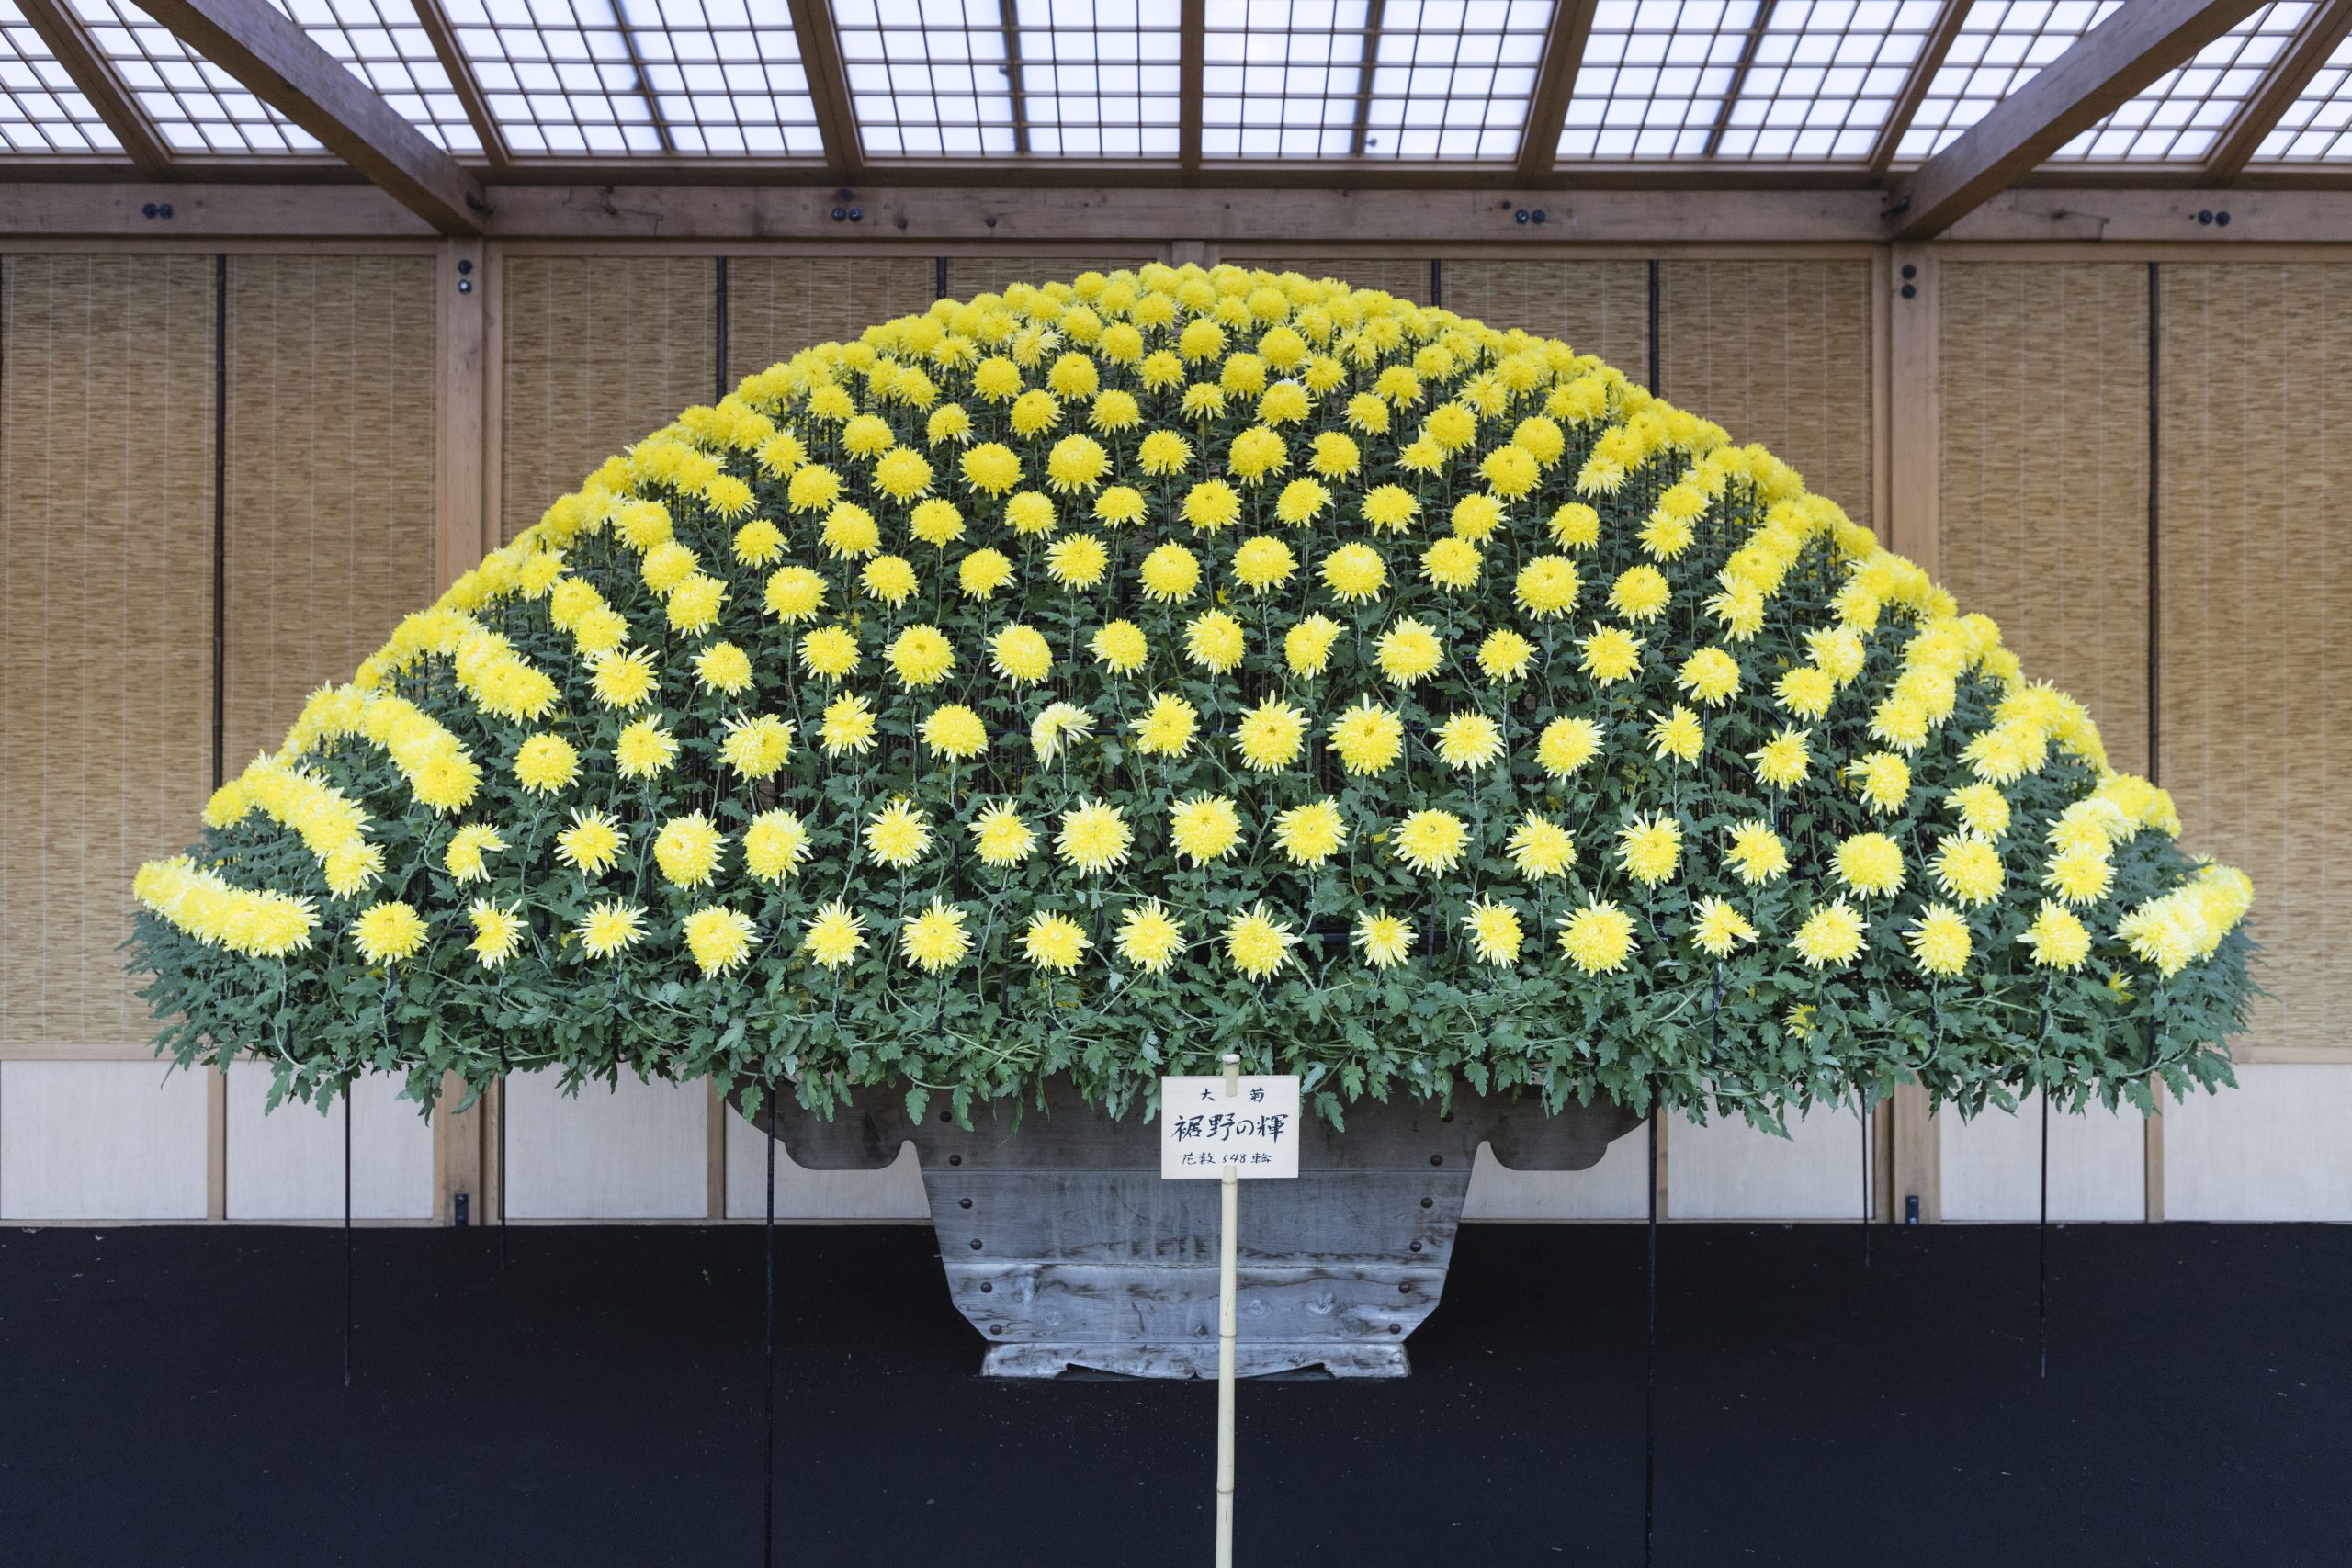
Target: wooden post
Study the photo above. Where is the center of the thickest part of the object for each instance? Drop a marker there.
(1225, 1290)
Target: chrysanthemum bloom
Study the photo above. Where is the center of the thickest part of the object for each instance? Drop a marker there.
(921, 656)
(1575, 527)
(902, 474)
(1716, 928)
(1611, 654)
(897, 835)
(723, 667)
(464, 857)
(1271, 735)
(1968, 868)
(1567, 745)
(2079, 877)
(1054, 943)
(1355, 573)
(1167, 726)
(935, 939)
(389, 931)
(1215, 641)
(498, 932)
(1093, 838)
(610, 928)
(1540, 847)
(719, 938)
(1882, 780)
(1306, 647)
(829, 652)
(2059, 940)
(1983, 809)
(1432, 841)
(981, 573)
(1676, 735)
(1368, 737)
(849, 532)
(1150, 937)
(1001, 837)
(686, 849)
(1783, 761)
(1469, 741)
(1409, 651)
(1497, 934)
(890, 579)
(774, 843)
(546, 764)
(1077, 463)
(1640, 593)
(1650, 846)
(847, 728)
(1211, 505)
(1711, 676)
(955, 731)
(1258, 945)
(1022, 655)
(834, 937)
(1870, 864)
(1598, 938)
(1505, 655)
(593, 842)
(1204, 828)
(1830, 937)
(623, 678)
(1381, 938)
(1170, 573)
(644, 751)
(1263, 562)
(1939, 940)
(1547, 586)
(1076, 560)
(1312, 833)
(795, 593)
(1757, 853)
(1301, 502)
(1121, 647)
(756, 747)
(1451, 563)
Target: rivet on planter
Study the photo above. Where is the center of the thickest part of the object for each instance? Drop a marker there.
(976, 1244)
(1416, 1247)
(947, 1116)
(963, 1202)
(1396, 1328)
(1405, 1288)
(1428, 1202)
(1437, 1159)
(986, 1288)
(954, 1159)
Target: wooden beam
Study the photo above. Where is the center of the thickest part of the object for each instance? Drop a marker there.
(1555, 83)
(2106, 66)
(1748, 47)
(72, 46)
(462, 81)
(275, 59)
(821, 59)
(1192, 71)
(1914, 87)
(2260, 114)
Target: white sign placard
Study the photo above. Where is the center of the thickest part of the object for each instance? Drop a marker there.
(1205, 1129)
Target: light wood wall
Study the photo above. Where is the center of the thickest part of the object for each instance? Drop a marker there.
(336, 370)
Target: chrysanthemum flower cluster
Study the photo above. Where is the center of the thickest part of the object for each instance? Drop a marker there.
(1062, 681)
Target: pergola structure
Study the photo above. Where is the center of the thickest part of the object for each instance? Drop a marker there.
(1339, 119)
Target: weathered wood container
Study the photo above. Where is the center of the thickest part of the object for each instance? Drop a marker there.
(1067, 1251)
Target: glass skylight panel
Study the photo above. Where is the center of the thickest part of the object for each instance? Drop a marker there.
(1656, 75)
(385, 46)
(2185, 111)
(961, 78)
(640, 77)
(2318, 124)
(2000, 47)
(41, 109)
(1414, 79)
(195, 106)
(1823, 78)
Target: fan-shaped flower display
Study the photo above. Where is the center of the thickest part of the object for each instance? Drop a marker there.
(1029, 683)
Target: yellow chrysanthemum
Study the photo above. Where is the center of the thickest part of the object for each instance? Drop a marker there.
(990, 468)
(1263, 562)
(1497, 934)
(1451, 563)
(2059, 940)
(1781, 761)
(1547, 586)
(1093, 838)
(756, 746)
(1211, 505)
(1258, 945)
(1598, 938)
(921, 656)
(1870, 864)
(1567, 744)
(623, 678)
(1939, 940)
(795, 593)
(1676, 734)
(389, 931)
(834, 937)
(1022, 655)
(1968, 868)
(1054, 943)
(499, 930)
(1409, 651)
(1381, 938)
(1611, 654)
(1576, 526)
(1368, 737)
(953, 730)
(1355, 573)
(890, 579)
(1312, 833)
(1640, 593)
(464, 859)
(686, 849)
(774, 843)
(1432, 841)
(1307, 646)
(1540, 847)
(1830, 937)
(593, 843)
(1757, 855)
(1149, 937)
(1271, 735)
(1301, 502)
(2079, 877)
(897, 835)
(1001, 837)
(610, 928)
(1204, 828)
(1882, 780)
(723, 667)
(1121, 647)
(546, 764)
(1214, 641)
(1983, 808)
(1170, 573)
(1649, 847)
(1711, 676)
(829, 652)
(1717, 929)
(1076, 560)
(1077, 463)
(1389, 509)
(848, 726)
(719, 938)
(644, 749)
(1469, 741)
(935, 939)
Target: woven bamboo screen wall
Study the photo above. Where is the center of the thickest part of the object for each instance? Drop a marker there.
(329, 477)
(2044, 490)
(776, 307)
(599, 352)
(2255, 640)
(1594, 307)
(1776, 352)
(105, 618)
(967, 275)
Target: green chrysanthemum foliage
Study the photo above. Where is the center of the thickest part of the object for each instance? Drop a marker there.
(1091, 679)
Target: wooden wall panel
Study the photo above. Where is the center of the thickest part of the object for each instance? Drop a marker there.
(1992, 1166)
(1595, 307)
(778, 306)
(330, 475)
(287, 1164)
(967, 275)
(1778, 352)
(865, 1197)
(1727, 1171)
(2270, 1149)
(85, 1141)
(2043, 493)
(638, 1152)
(598, 352)
(2255, 640)
(105, 618)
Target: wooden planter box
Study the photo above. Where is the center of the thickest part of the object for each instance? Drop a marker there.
(1067, 1250)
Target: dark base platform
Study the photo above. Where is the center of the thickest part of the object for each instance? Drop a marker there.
(175, 1397)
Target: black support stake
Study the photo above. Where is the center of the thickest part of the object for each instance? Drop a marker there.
(2041, 1243)
(718, 281)
(1656, 390)
(1437, 283)
(767, 1474)
(346, 1234)
(939, 278)
(1649, 1387)
(220, 521)
(1865, 1111)
(503, 1084)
